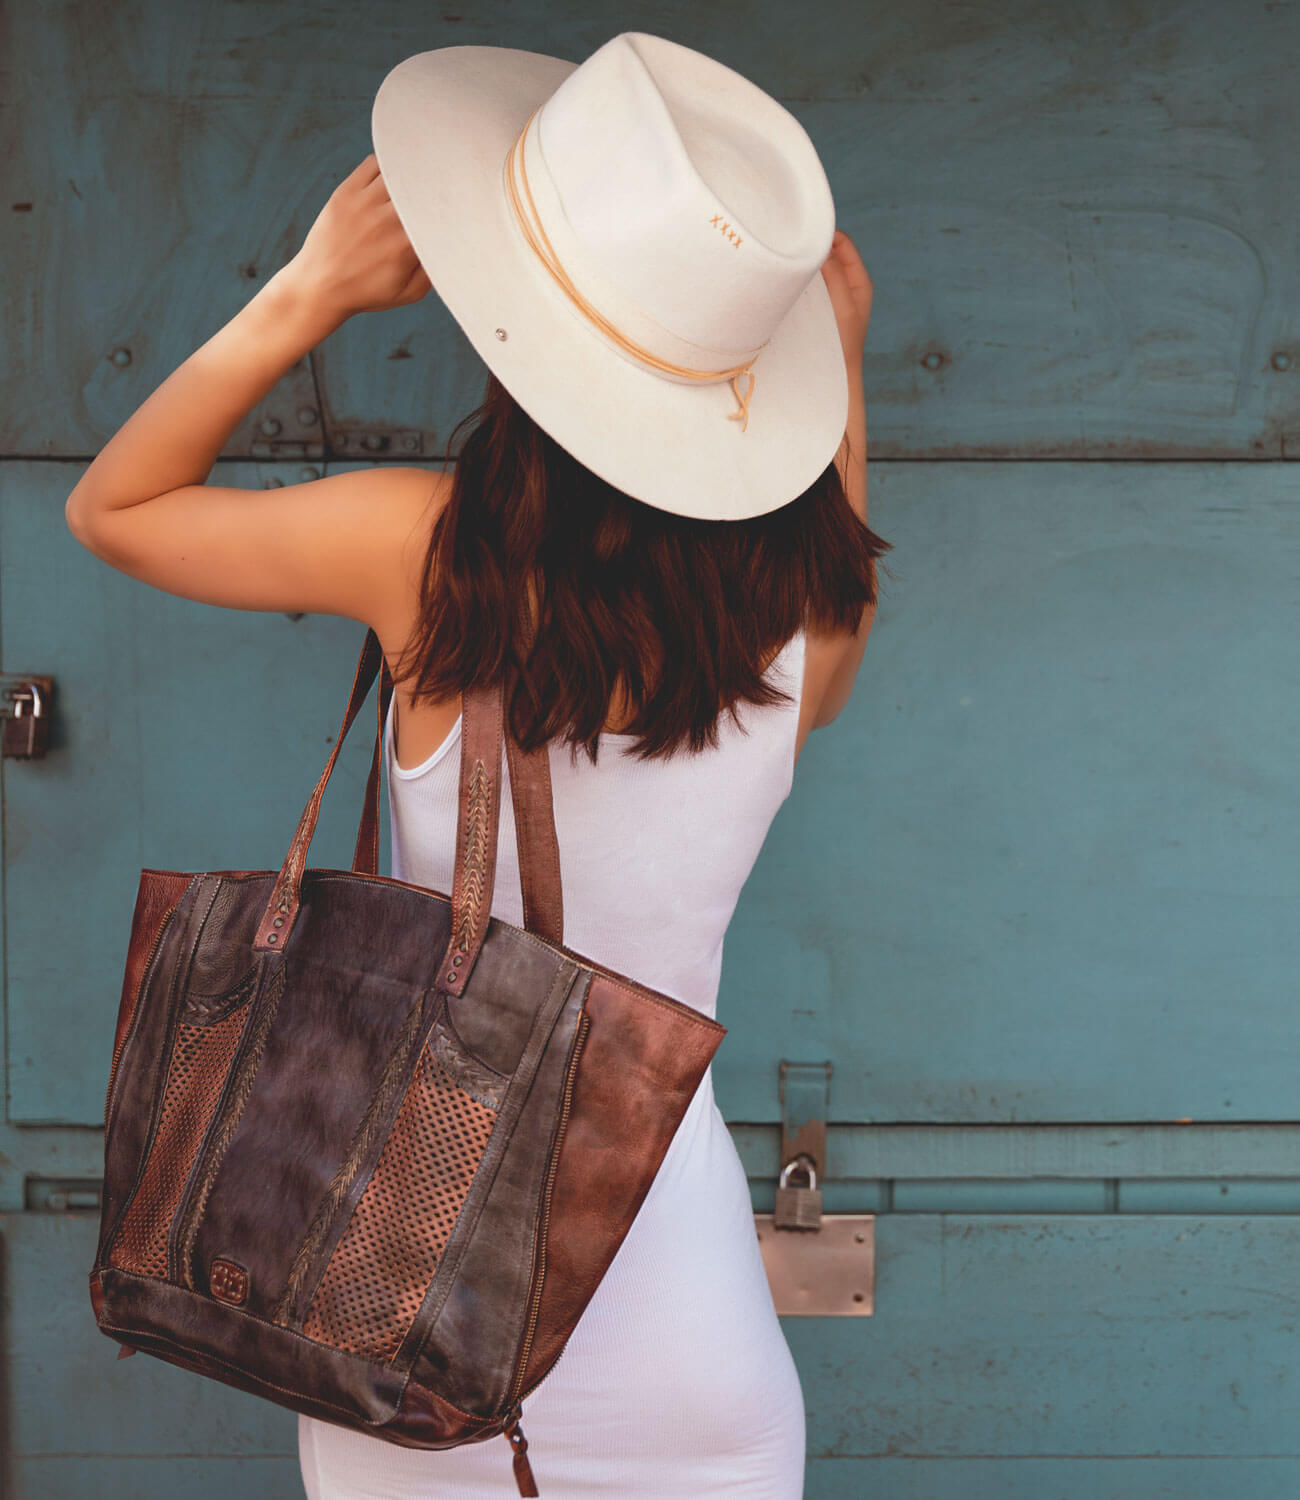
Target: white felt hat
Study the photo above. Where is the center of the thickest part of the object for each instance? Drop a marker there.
(606, 233)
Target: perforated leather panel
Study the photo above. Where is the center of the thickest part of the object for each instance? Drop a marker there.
(381, 1268)
(200, 1060)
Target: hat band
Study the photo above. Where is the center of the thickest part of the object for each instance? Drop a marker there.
(530, 223)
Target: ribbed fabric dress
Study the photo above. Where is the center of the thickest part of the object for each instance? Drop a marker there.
(677, 1383)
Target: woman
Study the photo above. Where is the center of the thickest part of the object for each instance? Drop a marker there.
(689, 656)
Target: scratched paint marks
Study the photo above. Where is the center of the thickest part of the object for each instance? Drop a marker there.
(1082, 227)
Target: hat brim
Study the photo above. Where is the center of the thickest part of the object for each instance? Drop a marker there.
(442, 124)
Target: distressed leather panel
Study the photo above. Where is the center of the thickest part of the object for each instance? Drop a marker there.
(610, 1153)
(218, 1339)
(158, 892)
(313, 1086)
(222, 959)
(493, 1016)
(335, 1028)
(425, 1420)
(471, 1349)
(380, 926)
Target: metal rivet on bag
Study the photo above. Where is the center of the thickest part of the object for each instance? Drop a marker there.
(501, 333)
(459, 959)
(451, 978)
(279, 922)
(271, 937)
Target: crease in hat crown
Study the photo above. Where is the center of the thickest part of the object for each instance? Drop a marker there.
(685, 205)
(524, 208)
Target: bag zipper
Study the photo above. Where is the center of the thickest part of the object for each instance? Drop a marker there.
(510, 1422)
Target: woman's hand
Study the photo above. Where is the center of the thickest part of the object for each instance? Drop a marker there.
(851, 291)
(357, 257)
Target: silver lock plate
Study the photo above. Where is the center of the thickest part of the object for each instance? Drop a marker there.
(828, 1274)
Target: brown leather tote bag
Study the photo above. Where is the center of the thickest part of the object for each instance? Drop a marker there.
(369, 1150)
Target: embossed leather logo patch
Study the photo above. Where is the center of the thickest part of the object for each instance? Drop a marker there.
(228, 1282)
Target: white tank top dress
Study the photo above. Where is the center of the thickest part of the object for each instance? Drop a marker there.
(677, 1382)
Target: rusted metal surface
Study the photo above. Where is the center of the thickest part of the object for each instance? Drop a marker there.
(1081, 227)
(828, 1272)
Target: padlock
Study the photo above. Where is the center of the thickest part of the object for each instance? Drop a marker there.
(27, 723)
(798, 1207)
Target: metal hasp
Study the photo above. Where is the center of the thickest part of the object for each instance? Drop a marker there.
(818, 1265)
(804, 1090)
(25, 707)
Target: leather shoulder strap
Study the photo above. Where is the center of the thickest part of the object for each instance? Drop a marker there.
(477, 822)
(483, 736)
(282, 909)
(365, 861)
(539, 852)
(530, 788)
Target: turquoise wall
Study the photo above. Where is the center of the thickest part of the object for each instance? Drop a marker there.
(1034, 893)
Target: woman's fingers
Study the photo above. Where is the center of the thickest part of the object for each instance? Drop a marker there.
(365, 171)
(848, 258)
(418, 286)
(851, 280)
(849, 287)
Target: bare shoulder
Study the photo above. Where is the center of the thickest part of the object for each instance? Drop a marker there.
(388, 510)
(406, 502)
(404, 496)
(822, 654)
(830, 665)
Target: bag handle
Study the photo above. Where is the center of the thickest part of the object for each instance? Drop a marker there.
(482, 733)
(477, 825)
(365, 861)
(530, 785)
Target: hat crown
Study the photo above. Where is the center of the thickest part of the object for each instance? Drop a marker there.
(633, 245)
(681, 199)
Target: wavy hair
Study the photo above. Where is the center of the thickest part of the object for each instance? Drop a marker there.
(615, 588)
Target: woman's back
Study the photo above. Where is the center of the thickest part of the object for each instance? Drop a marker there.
(677, 1379)
(653, 853)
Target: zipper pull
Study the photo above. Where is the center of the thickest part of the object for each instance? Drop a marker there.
(523, 1469)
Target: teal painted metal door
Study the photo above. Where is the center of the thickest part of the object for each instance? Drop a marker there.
(1034, 893)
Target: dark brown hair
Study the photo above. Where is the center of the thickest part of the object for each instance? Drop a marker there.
(622, 586)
